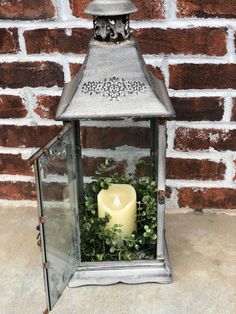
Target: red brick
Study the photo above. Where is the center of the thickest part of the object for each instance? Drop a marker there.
(156, 72)
(55, 191)
(26, 9)
(74, 68)
(193, 41)
(195, 169)
(202, 76)
(149, 10)
(17, 191)
(207, 8)
(27, 136)
(187, 169)
(12, 107)
(90, 165)
(78, 8)
(57, 167)
(9, 40)
(233, 117)
(198, 109)
(57, 40)
(32, 74)
(14, 164)
(216, 198)
(93, 137)
(47, 106)
(190, 139)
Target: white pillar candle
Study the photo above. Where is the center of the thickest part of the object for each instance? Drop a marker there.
(120, 202)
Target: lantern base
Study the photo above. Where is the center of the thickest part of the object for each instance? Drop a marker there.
(133, 272)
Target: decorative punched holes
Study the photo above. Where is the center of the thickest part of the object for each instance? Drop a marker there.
(114, 88)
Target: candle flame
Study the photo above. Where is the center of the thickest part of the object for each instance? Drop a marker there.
(117, 201)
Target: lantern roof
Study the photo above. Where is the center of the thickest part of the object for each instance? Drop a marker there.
(114, 82)
(110, 7)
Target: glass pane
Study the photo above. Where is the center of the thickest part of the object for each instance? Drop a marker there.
(57, 183)
(119, 218)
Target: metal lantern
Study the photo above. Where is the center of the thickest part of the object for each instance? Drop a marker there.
(114, 83)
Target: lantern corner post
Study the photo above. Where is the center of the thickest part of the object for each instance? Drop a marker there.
(162, 251)
(79, 162)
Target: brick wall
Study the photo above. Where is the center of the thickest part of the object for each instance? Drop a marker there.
(189, 43)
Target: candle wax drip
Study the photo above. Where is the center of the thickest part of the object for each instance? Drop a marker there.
(117, 202)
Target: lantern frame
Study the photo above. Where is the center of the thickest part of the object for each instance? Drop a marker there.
(108, 272)
(148, 99)
(143, 271)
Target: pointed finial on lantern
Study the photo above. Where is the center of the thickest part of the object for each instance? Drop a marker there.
(110, 7)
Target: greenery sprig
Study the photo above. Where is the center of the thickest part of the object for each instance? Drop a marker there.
(99, 243)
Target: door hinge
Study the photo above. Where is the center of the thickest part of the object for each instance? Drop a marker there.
(38, 238)
(46, 265)
(42, 219)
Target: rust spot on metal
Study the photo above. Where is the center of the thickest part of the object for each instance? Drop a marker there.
(46, 265)
(42, 219)
(46, 151)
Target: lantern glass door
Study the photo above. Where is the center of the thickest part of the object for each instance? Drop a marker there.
(57, 187)
(118, 221)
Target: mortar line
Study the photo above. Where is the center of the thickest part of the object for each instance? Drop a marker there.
(206, 125)
(171, 127)
(31, 104)
(230, 45)
(174, 23)
(64, 10)
(230, 170)
(211, 156)
(186, 93)
(30, 121)
(171, 9)
(228, 107)
(22, 43)
(199, 184)
(72, 57)
(16, 178)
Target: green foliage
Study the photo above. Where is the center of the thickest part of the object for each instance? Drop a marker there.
(102, 244)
